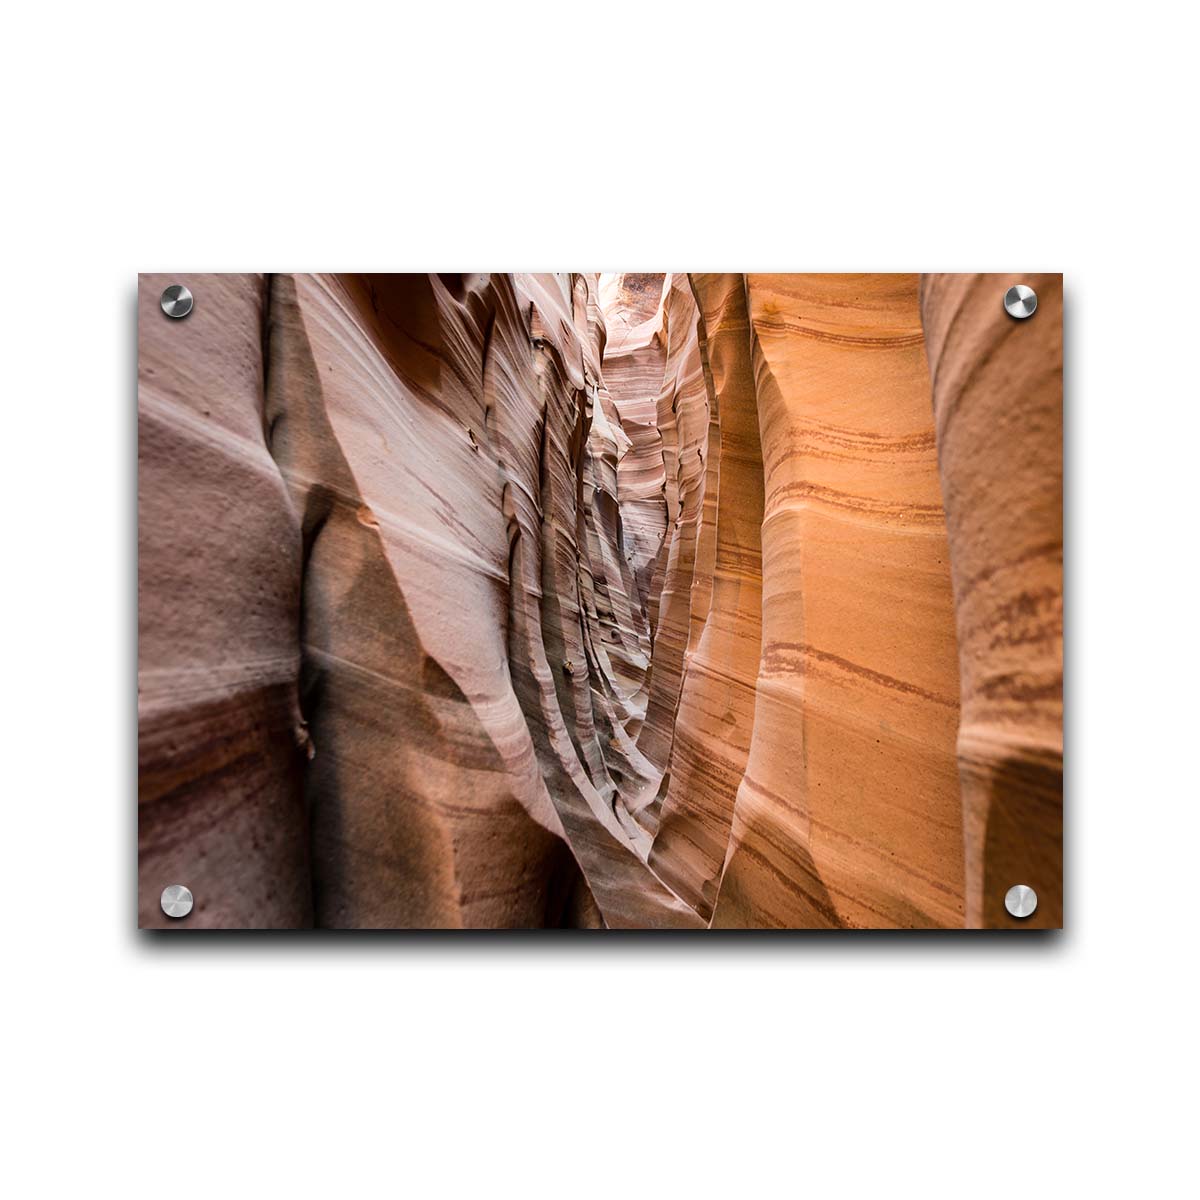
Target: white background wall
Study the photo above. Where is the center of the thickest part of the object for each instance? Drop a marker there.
(598, 136)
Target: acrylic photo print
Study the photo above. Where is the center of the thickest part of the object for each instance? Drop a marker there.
(625, 601)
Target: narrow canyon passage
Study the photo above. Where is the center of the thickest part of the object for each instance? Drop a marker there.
(577, 599)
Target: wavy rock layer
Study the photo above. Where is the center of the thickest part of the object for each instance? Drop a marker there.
(527, 600)
(716, 710)
(859, 823)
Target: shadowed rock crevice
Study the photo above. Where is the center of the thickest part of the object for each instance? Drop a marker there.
(715, 715)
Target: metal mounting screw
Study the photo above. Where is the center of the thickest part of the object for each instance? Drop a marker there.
(1021, 901)
(176, 901)
(1020, 301)
(176, 301)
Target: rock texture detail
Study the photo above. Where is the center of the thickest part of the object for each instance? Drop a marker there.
(998, 400)
(220, 731)
(627, 601)
(859, 672)
(716, 711)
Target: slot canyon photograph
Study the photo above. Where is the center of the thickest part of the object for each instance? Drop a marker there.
(639, 601)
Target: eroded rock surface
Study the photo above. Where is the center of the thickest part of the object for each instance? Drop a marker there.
(715, 720)
(220, 731)
(997, 396)
(527, 600)
(848, 813)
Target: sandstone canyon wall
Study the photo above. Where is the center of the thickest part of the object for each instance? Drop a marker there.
(624, 600)
(716, 711)
(859, 671)
(998, 405)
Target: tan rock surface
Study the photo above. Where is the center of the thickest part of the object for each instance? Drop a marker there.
(848, 813)
(683, 423)
(219, 721)
(998, 401)
(715, 718)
